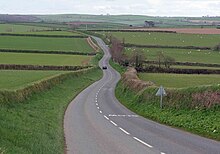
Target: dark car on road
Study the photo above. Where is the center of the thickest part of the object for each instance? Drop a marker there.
(104, 67)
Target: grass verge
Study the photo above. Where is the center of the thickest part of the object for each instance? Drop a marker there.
(204, 122)
(36, 125)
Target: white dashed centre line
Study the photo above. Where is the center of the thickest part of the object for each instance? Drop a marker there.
(137, 139)
(124, 131)
(97, 104)
(100, 111)
(114, 123)
(106, 117)
(162, 153)
(98, 108)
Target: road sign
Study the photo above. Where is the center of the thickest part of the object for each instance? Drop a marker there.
(161, 92)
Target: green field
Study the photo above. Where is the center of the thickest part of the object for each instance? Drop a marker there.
(62, 33)
(180, 80)
(36, 125)
(11, 80)
(44, 59)
(44, 44)
(13, 28)
(181, 55)
(167, 39)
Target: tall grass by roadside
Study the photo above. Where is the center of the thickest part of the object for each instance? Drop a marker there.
(36, 124)
(204, 122)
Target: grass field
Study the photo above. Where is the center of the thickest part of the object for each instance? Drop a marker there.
(36, 125)
(180, 80)
(41, 43)
(62, 33)
(44, 59)
(12, 80)
(181, 55)
(13, 28)
(167, 39)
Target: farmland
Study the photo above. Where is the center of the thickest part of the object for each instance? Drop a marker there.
(60, 33)
(12, 80)
(181, 55)
(42, 43)
(166, 39)
(13, 28)
(44, 59)
(180, 80)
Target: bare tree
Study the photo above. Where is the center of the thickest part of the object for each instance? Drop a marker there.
(168, 61)
(160, 58)
(137, 59)
(117, 49)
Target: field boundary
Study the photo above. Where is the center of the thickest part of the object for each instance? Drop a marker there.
(16, 96)
(49, 52)
(132, 30)
(42, 35)
(155, 69)
(185, 64)
(166, 46)
(41, 67)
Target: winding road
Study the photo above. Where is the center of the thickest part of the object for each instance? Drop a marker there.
(96, 123)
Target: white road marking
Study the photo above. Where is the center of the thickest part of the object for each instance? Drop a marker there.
(100, 111)
(124, 131)
(97, 104)
(137, 139)
(113, 115)
(106, 117)
(96, 101)
(98, 108)
(163, 153)
(114, 123)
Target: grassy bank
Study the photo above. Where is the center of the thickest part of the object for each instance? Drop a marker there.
(204, 122)
(35, 126)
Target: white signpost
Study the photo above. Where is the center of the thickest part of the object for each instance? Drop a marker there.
(161, 92)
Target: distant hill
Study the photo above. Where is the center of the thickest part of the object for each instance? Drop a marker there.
(18, 18)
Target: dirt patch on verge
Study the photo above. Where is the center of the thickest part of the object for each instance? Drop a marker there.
(131, 79)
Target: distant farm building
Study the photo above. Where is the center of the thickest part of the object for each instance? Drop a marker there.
(149, 24)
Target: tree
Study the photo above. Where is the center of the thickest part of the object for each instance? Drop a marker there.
(168, 61)
(137, 59)
(217, 47)
(116, 50)
(160, 58)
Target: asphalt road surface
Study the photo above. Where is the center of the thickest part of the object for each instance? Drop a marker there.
(96, 123)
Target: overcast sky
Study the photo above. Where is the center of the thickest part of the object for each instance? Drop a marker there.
(140, 7)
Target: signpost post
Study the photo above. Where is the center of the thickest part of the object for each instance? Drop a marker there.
(161, 92)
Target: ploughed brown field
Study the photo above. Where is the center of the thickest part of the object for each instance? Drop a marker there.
(185, 30)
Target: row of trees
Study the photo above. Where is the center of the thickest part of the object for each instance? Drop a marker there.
(137, 58)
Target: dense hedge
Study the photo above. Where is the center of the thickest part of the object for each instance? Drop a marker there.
(166, 46)
(185, 64)
(37, 35)
(155, 69)
(49, 52)
(132, 30)
(41, 67)
(16, 96)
